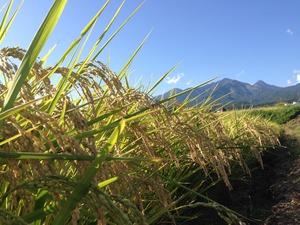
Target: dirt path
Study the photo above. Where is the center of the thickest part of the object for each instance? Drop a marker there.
(285, 193)
(272, 195)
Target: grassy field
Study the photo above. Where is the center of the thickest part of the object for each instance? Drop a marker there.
(110, 155)
(277, 114)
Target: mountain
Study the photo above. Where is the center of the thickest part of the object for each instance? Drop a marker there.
(233, 92)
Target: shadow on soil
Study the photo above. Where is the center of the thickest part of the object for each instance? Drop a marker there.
(271, 195)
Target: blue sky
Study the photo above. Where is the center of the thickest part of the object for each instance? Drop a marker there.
(247, 40)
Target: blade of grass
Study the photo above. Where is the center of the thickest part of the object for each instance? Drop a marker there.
(7, 140)
(3, 30)
(83, 186)
(51, 156)
(184, 92)
(43, 156)
(63, 84)
(44, 59)
(104, 116)
(111, 125)
(18, 108)
(75, 43)
(101, 37)
(128, 63)
(40, 213)
(5, 17)
(214, 205)
(31, 55)
(116, 32)
(161, 79)
(40, 201)
(63, 113)
(2, 8)
(107, 182)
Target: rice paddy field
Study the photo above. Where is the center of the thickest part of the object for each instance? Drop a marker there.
(279, 114)
(88, 148)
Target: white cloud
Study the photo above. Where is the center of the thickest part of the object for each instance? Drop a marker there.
(297, 71)
(174, 79)
(295, 79)
(188, 83)
(298, 78)
(297, 74)
(289, 32)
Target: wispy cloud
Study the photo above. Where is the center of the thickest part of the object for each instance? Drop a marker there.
(289, 82)
(189, 83)
(297, 71)
(240, 74)
(174, 79)
(289, 32)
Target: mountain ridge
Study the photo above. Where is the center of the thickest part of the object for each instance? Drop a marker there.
(238, 93)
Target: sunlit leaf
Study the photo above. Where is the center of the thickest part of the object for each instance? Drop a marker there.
(31, 55)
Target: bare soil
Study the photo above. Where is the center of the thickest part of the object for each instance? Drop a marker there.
(272, 195)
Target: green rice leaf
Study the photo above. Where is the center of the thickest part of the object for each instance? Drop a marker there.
(82, 34)
(44, 59)
(101, 37)
(43, 156)
(7, 140)
(128, 63)
(161, 79)
(107, 182)
(31, 55)
(116, 32)
(92, 21)
(60, 156)
(40, 213)
(63, 113)
(4, 28)
(104, 116)
(18, 108)
(186, 91)
(82, 187)
(63, 85)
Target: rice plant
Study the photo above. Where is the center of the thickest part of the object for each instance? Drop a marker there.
(278, 114)
(91, 149)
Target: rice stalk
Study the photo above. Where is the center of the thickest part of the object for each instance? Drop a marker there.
(154, 131)
(59, 143)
